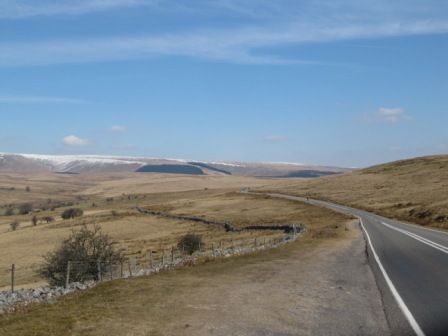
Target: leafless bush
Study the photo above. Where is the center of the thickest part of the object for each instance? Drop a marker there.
(84, 249)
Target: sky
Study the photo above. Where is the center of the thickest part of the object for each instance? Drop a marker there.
(344, 83)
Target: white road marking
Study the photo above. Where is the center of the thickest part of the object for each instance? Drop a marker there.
(419, 238)
(405, 310)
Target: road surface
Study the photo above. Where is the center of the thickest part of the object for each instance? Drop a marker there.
(411, 266)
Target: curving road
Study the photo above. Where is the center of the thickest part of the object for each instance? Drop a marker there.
(410, 263)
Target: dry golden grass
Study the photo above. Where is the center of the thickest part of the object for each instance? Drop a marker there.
(413, 190)
(137, 233)
(154, 305)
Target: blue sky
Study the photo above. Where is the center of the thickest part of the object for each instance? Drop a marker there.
(345, 83)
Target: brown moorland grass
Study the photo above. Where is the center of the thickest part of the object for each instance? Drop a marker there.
(414, 190)
(152, 305)
(137, 233)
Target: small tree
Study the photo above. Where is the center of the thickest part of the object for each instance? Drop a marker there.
(84, 249)
(34, 220)
(190, 243)
(14, 225)
(72, 213)
(25, 208)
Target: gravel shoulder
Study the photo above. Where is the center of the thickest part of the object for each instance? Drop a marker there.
(328, 289)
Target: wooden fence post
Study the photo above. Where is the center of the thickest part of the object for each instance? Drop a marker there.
(172, 255)
(150, 259)
(121, 269)
(163, 257)
(13, 275)
(213, 250)
(129, 267)
(67, 276)
(99, 271)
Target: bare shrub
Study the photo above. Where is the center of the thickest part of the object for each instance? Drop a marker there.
(190, 243)
(48, 219)
(25, 208)
(72, 213)
(84, 249)
(34, 220)
(14, 225)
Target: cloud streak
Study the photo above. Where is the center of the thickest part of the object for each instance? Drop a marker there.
(118, 129)
(240, 45)
(17, 99)
(20, 9)
(388, 115)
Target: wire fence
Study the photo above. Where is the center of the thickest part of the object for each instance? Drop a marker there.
(154, 261)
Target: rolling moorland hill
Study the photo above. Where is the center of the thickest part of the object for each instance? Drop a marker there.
(78, 164)
(414, 190)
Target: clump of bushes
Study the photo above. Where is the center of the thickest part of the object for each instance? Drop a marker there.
(48, 219)
(72, 213)
(190, 243)
(84, 249)
(25, 208)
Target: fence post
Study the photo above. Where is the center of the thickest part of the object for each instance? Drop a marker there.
(150, 259)
(13, 274)
(67, 276)
(111, 267)
(172, 255)
(213, 250)
(255, 242)
(99, 270)
(129, 267)
(163, 257)
(121, 269)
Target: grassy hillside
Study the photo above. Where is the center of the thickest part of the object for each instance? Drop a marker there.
(414, 190)
(210, 197)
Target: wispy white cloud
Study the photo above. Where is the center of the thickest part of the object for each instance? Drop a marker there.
(16, 9)
(275, 138)
(17, 99)
(387, 115)
(74, 141)
(241, 45)
(118, 129)
(261, 27)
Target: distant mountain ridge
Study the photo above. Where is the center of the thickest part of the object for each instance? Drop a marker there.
(76, 164)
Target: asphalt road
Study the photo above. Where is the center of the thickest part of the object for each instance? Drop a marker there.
(412, 262)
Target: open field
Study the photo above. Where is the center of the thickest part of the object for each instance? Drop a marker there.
(111, 205)
(287, 291)
(413, 190)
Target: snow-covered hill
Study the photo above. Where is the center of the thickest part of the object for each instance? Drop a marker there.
(101, 163)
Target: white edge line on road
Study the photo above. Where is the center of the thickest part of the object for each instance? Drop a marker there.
(418, 238)
(405, 310)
